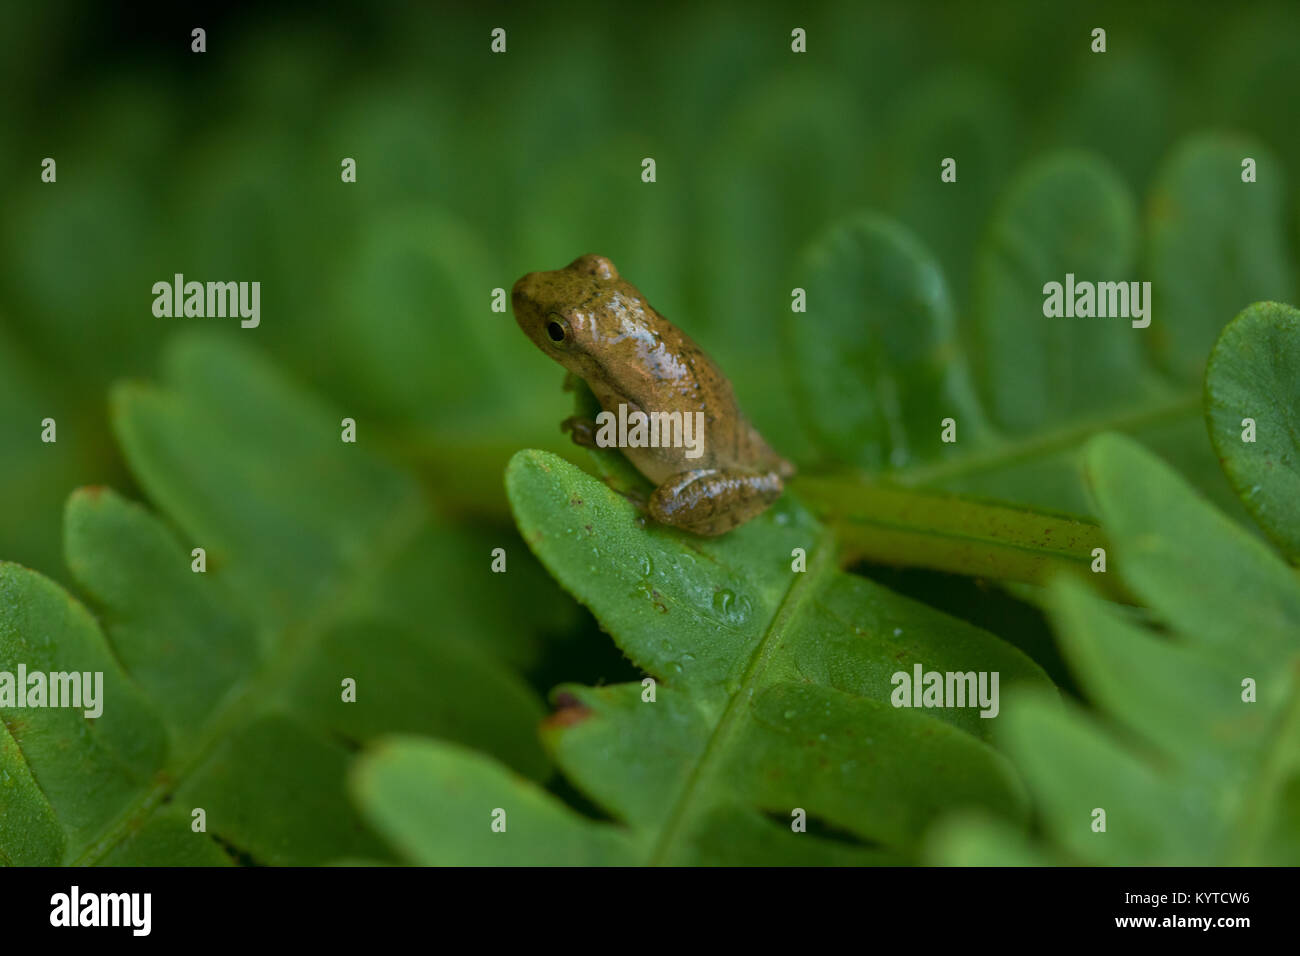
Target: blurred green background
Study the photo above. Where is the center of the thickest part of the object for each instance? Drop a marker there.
(474, 168)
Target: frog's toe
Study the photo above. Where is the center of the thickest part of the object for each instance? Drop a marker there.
(581, 430)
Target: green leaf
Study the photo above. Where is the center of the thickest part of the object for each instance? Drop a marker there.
(436, 803)
(1069, 213)
(1254, 373)
(960, 114)
(1189, 768)
(881, 336)
(85, 786)
(223, 690)
(1200, 572)
(975, 839)
(182, 642)
(29, 831)
(883, 367)
(882, 373)
(1213, 242)
(772, 686)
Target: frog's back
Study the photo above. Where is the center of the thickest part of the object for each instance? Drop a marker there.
(695, 383)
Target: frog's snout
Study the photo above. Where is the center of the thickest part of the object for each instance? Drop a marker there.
(522, 291)
(524, 299)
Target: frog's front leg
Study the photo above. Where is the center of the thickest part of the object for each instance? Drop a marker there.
(581, 430)
(712, 501)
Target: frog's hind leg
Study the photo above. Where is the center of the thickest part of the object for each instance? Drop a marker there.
(712, 501)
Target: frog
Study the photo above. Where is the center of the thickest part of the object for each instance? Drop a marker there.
(604, 332)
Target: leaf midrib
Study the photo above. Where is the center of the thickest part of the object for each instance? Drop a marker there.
(823, 559)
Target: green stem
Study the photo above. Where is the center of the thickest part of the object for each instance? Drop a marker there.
(1007, 452)
(909, 527)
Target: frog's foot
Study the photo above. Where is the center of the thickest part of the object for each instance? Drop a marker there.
(581, 430)
(712, 501)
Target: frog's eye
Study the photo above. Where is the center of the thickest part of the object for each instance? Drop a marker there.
(556, 330)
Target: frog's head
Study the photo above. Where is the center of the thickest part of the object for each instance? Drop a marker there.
(575, 314)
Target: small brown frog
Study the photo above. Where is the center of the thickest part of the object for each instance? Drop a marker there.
(599, 327)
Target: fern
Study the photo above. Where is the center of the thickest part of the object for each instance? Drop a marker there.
(223, 689)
